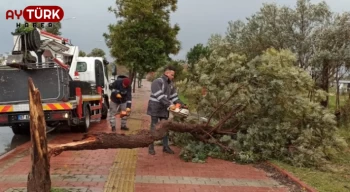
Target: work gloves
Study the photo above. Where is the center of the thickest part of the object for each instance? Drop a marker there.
(177, 106)
(171, 108)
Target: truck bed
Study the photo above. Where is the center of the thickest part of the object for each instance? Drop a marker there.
(51, 82)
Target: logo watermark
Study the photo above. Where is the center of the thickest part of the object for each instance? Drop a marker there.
(39, 14)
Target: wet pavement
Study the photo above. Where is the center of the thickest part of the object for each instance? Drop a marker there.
(9, 141)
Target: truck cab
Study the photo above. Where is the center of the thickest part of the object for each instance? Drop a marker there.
(93, 70)
(74, 90)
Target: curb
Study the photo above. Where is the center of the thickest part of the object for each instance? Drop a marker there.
(292, 177)
(15, 150)
(23, 146)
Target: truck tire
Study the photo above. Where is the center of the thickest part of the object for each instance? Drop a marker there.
(21, 128)
(85, 125)
(106, 101)
(104, 111)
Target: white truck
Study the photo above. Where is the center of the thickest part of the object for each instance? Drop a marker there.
(74, 90)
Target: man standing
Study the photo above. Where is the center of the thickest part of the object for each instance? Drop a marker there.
(120, 101)
(163, 97)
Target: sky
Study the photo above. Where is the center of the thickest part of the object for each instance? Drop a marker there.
(198, 19)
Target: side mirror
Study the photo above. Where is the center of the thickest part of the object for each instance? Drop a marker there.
(114, 70)
(105, 62)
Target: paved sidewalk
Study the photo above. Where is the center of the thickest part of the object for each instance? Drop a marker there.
(129, 170)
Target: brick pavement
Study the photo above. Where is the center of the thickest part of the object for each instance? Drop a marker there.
(129, 170)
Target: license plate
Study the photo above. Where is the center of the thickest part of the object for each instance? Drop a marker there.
(23, 117)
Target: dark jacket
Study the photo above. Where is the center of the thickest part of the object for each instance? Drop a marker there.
(117, 87)
(163, 94)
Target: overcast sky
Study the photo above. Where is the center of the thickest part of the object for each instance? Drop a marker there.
(198, 19)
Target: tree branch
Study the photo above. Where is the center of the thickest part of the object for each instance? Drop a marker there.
(227, 100)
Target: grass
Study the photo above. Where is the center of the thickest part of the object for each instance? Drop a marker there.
(337, 180)
(59, 190)
(322, 181)
(332, 98)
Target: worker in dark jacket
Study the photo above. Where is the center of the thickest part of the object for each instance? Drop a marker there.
(163, 97)
(120, 101)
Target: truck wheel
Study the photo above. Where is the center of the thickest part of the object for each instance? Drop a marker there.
(104, 111)
(21, 129)
(106, 100)
(86, 121)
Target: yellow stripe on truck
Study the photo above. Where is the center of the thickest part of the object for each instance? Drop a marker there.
(57, 106)
(6, 108)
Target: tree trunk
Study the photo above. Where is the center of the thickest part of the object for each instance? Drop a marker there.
(337, 101)
(132, 78)
(141, 139)
(134, 83)
(325, 82)
(39, 176)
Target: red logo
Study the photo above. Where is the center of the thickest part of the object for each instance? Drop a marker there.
(37, 14)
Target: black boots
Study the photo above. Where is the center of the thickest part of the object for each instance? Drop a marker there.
(168, 150)
(165, 150)
(124, 128)
(151, 150)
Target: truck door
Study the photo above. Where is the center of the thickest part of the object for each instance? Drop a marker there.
(99, 75)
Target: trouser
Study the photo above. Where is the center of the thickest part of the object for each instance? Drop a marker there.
(154, 121)
(114, 109)
(139, 82)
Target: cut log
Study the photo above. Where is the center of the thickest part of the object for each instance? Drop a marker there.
(39, 175)
(141, 139)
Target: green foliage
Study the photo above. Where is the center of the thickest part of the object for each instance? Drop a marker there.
(82, 53)
(344, 115)
(196, 151)
(194, 55)
(23, 29)
(280, 27)
(97, 52)
(276, 118)
(180, 73)
(54, 29)
(259, 68)
(317, 36)
(143, 38)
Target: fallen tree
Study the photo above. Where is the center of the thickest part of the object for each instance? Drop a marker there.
(143, 138)
(39, 176)
(259, 109)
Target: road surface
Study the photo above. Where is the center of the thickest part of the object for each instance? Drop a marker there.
(9, 141)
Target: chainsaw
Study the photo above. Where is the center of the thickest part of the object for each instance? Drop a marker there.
(180, 111)
(124, 114)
